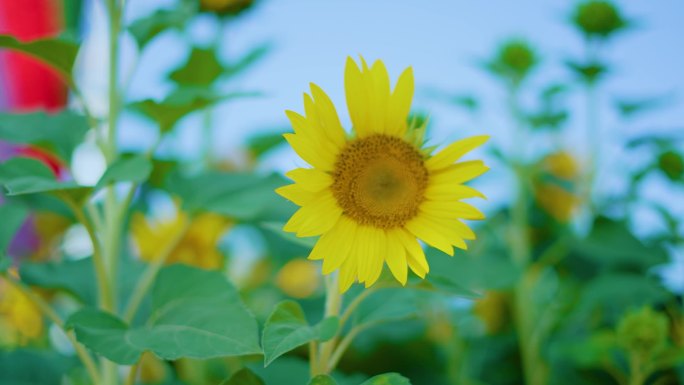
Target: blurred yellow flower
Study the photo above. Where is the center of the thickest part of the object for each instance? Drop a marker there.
(372, 193)
(20, 320)
(554, 189)
(299, 278)
(152, 369)
(198, 247)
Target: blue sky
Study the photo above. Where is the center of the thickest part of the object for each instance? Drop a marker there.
(442, 40)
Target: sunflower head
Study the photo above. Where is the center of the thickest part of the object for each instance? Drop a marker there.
(373, 192)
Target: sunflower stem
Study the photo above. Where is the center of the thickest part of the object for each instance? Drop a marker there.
(333, 304)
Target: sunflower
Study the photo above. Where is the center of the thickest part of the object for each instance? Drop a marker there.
(371, 194)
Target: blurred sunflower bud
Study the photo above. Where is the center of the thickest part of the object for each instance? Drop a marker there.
(672, 165)
(643, 332)
(197, 247)
(20, 320)
(513, 62)
(554, 188)
(299, 278)
(226, 7)
(598, 18)
(152, 369)
(492, 310)
(440, 329)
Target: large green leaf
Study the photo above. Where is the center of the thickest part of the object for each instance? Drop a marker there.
(388, 379)
(287, 329)
(387, 305)
(135, 168)
(244, 377)
(610, 243)
(179, 104)
(60, 54)
(195, 313)
(201, 69)
(243, 196)
(78, 277)
(18, 367)
(58, 133)
(489, 271)
(22, 176)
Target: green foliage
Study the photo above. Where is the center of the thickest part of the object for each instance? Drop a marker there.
(387, 305)
(57, 133)
(261, 144)
(671, 163)
(589, 72)
(144, 30)
(244, 377)
(18, 367)
(21, 176)
(201, 69)
(195, 313)
(180, 103)
(60, 54)
(287, 329)
(643, 332)
(388, 379)
(611, 244)
(134, 168)
(242, 196)
(322, 379)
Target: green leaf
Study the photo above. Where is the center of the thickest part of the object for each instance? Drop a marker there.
(612, 244)
(18, 367)
(442, 284)
(247, 60)
(78, 277)
(201, 69)
(287, 329)
(277, 228)
(388, 379)
(179, 104)
(242, 196)
(489, 271)
(244, 377)
(322, 379)
(195, 314)
(590, 72)
(58, 133)
(387, 305)
(146, 29)
(260, 144)
(22, 176)
(136, 168)
(60, 54)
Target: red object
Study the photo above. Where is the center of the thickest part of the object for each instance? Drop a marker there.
(30, 84)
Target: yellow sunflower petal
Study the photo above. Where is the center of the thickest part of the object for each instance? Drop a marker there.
(379, 96)
(449, 191)
(376, 258)
(400, 104)
(428, 232)
(315, 218)
(356, 98)
(415, 255)
(340, 239)
(396, 258)
(454, 152)
(310, 152)
(327, 115)
(296, 194)
(459, 173)
(348, 272)
(310, 179)
(451, 209)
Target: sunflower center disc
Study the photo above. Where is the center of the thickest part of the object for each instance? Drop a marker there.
(380, 181)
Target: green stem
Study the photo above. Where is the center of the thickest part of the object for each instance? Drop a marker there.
(333, 303)
(145, 282)
(50, 313)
